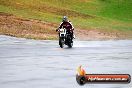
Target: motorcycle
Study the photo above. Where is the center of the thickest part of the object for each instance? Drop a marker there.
(65, 38)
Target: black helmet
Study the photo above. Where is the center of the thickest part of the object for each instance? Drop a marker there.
(65, 19)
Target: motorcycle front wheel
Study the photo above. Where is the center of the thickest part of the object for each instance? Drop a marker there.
(61, 42)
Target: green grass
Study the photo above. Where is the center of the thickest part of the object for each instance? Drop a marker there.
(118, 9)
(88, 14)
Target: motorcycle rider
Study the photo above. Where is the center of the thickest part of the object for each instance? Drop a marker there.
(67, 25)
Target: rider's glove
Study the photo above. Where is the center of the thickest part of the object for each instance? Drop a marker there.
(56, 29)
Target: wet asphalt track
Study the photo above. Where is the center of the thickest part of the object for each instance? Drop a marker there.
(42, 64)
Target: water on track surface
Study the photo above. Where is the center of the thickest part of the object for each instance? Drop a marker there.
(43, 64)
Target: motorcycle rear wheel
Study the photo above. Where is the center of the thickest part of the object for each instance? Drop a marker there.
(70, 45)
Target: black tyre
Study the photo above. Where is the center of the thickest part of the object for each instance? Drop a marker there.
(81, 80)
(61, 45)
(70, 45)
(61, 42)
